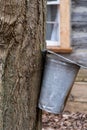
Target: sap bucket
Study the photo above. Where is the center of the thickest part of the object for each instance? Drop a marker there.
(58, 78)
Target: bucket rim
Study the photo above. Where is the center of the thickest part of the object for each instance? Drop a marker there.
(66, 59)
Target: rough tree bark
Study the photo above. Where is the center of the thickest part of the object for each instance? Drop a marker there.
(21, 40)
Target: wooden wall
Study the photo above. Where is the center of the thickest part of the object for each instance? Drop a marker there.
(79, 31)
(79, 23)
(77, 101)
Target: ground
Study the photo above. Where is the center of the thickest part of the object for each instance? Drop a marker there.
(66, 121)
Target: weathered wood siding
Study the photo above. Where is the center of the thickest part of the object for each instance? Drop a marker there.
(77, 101)
(82, 76)
(78, 97)
(79, 31)
(79, 23)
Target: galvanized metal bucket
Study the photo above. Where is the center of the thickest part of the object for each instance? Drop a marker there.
(58, 78)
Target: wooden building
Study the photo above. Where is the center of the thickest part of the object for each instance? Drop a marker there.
(72, 43)
(78, 96)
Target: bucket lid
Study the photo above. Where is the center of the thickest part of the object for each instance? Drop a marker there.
(64, 58)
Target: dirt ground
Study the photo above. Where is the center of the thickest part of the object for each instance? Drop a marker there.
(66, 121)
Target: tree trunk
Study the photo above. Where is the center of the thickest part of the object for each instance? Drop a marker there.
(21, 40)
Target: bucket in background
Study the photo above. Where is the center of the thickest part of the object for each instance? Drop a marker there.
(58, 78)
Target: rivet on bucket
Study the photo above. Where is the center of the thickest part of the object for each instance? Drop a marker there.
(58, 78)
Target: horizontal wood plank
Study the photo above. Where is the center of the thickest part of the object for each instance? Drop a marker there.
(79, 3)
(77, 100)
(79, 92)
(76, 107)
